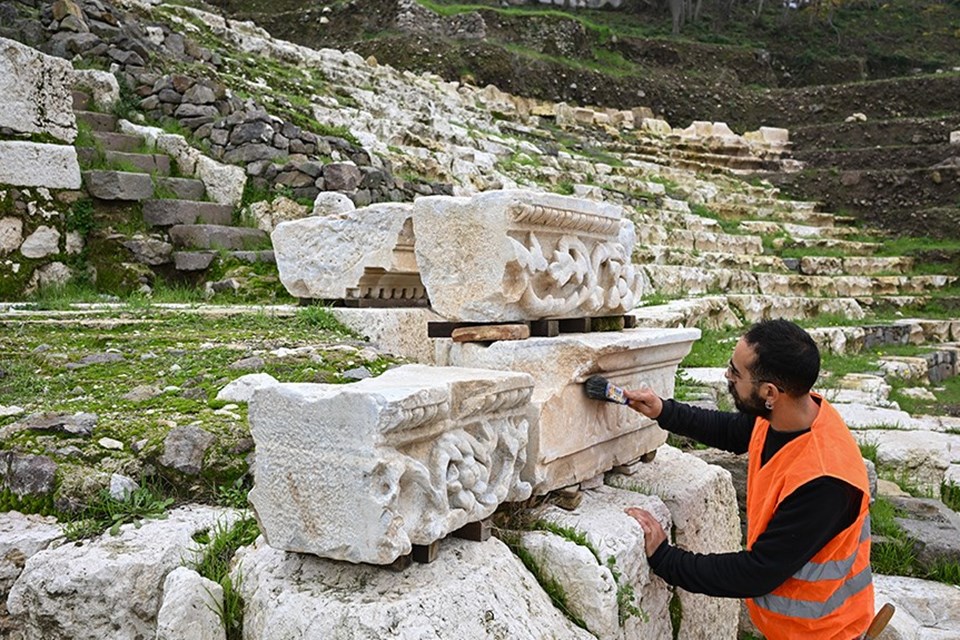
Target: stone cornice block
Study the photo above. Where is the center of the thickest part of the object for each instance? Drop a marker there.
(361, 472)
(365, 253)
(524, 255)
(573, 438)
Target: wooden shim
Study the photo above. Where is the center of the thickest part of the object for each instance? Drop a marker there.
(545, 328)
(475, 531)
(491, 333)
(401, 563)
(425, 553)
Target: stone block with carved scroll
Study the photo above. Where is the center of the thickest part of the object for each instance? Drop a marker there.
(572, 437)
(523, 255)
(361, 472)
(364, 254)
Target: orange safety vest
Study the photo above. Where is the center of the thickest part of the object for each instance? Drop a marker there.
(830, 597)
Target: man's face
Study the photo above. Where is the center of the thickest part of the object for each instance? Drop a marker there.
(741, 384)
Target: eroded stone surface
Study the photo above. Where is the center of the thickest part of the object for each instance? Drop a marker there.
(361, 472)
(473, 591)
(21, 536)
(925, 610)
(30, 164)
(36, 92)
(618, 540)
(110, 587)
(703, 507)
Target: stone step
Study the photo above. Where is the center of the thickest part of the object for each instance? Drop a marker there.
(661, 255)
(808, 265)
(698, 240)
(200, 260)
(97, 121)
(855, 265)
(118, 185)
(165, 213)
(153, 163)
(731, 311)
(849, 247)
(112, 141)
(773, 212)
(769, 227)
(81, 100)
(210, 236)
(182, 188)
(683, 280)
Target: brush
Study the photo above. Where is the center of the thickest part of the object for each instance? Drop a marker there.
(599, 388)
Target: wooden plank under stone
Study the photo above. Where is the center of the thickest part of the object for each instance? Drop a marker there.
(491, 333)
(475, 531)
(367, 303)
(426, 553)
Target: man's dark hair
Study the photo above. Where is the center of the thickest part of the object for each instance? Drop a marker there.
(786, 356)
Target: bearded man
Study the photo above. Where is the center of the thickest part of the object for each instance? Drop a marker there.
(805, 571)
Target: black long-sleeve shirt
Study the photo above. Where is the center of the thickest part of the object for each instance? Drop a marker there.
(803, 523)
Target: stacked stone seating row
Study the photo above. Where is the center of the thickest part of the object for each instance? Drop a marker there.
(197, 229)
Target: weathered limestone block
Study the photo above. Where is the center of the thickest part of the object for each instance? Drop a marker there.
(472, 590)
(711, 312)
(522, 255)
(922, 457)
(401, 332)
(362, 254)
(30, 164)
(190, 606)
(573, 438)
(838, 340)
(111, 587)
(101, 85)
(361, 472)
(35, 93)
(926, 610)
(703, 507)
(592, 584)
(755, 308)
(21, 536)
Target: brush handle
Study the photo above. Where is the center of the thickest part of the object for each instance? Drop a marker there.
(880, 621)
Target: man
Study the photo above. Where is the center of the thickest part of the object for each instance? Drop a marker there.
(806, 569)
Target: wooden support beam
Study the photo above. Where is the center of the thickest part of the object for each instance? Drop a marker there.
(475, 531)
(425, 553)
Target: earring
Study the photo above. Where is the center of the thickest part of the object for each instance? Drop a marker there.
(768, 405)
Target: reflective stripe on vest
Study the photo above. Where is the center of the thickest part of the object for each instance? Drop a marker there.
(835, 570)
(809, 609)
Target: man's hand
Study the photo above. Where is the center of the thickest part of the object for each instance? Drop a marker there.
(653, 533)
(645, 401)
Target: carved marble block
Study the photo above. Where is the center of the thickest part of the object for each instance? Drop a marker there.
(572, 437)
(362, 254)
(523, 255)
(361, 472)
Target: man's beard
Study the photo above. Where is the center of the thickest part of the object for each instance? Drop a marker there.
(752, 405)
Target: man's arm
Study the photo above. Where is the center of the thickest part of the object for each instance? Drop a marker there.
(803, 523)
(728, 431)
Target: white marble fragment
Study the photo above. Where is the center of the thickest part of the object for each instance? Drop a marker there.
(523, 255)
(572, 437)
(363, 471)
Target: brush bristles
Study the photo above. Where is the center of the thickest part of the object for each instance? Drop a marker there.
(599, 388)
